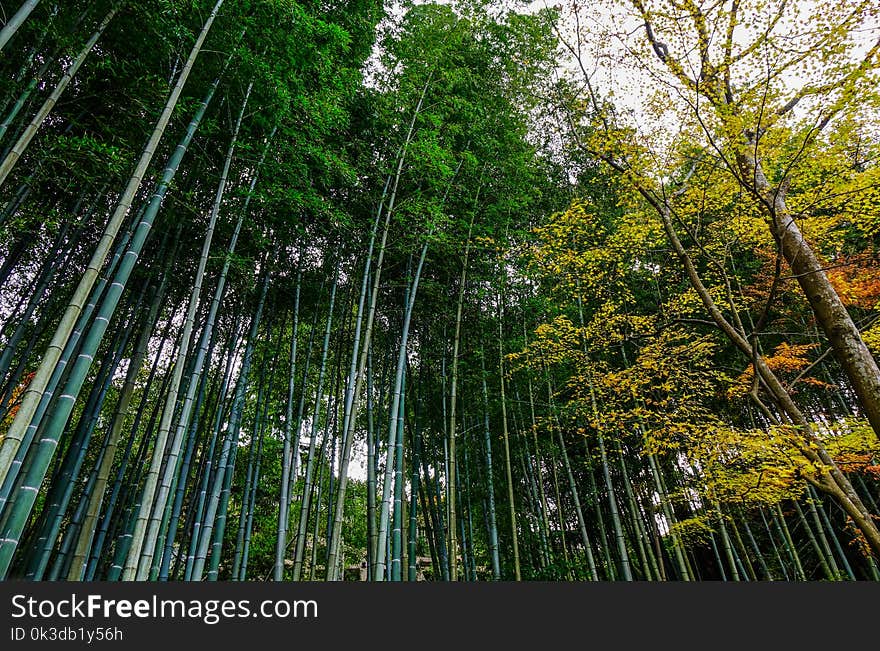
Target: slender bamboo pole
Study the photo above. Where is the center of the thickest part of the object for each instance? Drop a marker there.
(31, 130)
(16, 21)
(37, 386)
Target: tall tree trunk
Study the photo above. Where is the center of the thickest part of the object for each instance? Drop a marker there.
(15, 22)
(215, 515)
(453, 402)
(372, 448)
(572, 486)
(615, 514)
(153, 503)
(287, 451)
(544, 521)
(382, 534)
(412, 537)
(779, 521)
(31, 130)
(849, 348)
(352, 398)
(821, 553)
(254, 452)
(506, 438)
(816, 505)
(397, 519)
(37, 386)
(305, 506)
(490, 477)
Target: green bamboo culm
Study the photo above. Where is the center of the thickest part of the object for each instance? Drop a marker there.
(394, 424)
(153, 503)
(25, 139)
(27, 493)
(269, 311)
(16, 21)
(211, 534)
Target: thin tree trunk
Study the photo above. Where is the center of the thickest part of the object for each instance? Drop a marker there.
(490, 477)
(255, 449)
(725, 540)
(582, 524)
(352, 398)
(768, 575)
(453, 403)
(16, 21)
(506, 438)
(216, 504)
(31, 130)
(821, 551)
(560, 518)
(305, 507)
(412, 539)
(545, 517)
(287, 452)
(384, 515)
(372, 446)
(397, 520)
(789, 543)
(153, 503)
(615, 516)
(817, 506)
(37, 386)
(636, 516)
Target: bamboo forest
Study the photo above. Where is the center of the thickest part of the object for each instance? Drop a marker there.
(456, 291)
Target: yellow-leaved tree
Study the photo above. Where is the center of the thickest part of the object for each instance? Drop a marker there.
(748, 123)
